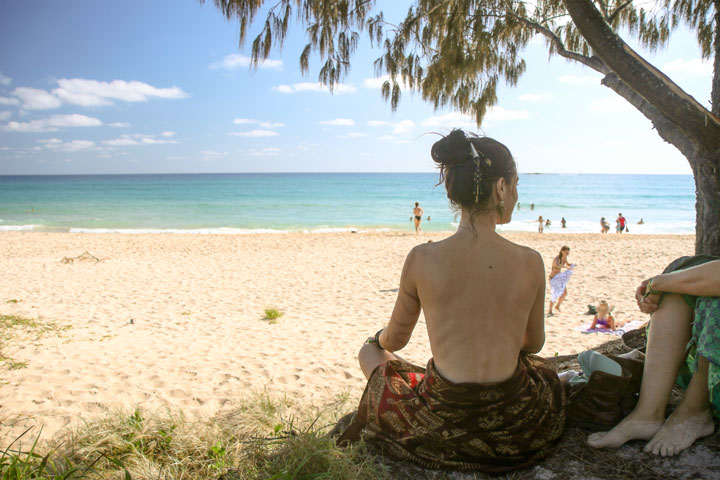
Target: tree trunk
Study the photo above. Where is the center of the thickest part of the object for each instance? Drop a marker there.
(706, 170)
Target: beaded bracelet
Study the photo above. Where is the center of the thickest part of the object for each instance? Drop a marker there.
(376, 339)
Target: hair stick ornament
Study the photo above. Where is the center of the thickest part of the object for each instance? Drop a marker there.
(477, 175)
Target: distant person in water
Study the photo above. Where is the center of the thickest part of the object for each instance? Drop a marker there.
(548, 222)
(541, 224)
(418, 213)
(641, 222)
(604, 225)
(532, 206)
(563, 223)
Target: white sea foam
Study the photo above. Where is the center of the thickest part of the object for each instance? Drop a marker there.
(17, 228)
(192, 231)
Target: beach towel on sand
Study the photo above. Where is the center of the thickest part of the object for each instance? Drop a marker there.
(558, 283)
(412, 413)
(619, 331)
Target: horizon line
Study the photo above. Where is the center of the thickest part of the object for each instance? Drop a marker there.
(311, 173)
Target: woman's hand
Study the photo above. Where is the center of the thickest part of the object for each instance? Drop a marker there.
(647, 303)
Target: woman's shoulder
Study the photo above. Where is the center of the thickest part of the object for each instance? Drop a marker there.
(524, 253)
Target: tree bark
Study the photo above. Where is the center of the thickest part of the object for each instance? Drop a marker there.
(654, 86)
(707, 186)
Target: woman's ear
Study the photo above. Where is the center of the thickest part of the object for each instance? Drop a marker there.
(500, 188)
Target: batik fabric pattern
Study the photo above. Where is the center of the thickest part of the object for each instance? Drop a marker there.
(412, 413)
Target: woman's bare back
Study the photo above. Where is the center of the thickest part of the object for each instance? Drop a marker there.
(483, 303)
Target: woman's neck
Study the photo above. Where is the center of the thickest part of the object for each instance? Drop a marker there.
(485, 221)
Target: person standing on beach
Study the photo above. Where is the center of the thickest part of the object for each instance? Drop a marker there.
(620, 223)
(563, 223)
(559, 279)
(541, 224)
(417, 213)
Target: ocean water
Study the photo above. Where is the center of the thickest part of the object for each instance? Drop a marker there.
(324, 202)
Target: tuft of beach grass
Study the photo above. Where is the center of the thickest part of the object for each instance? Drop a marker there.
(272, 314)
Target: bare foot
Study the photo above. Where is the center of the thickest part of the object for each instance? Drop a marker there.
(677, 434)
(628, 429)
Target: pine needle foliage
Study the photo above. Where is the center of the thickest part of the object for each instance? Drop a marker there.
(457, 52)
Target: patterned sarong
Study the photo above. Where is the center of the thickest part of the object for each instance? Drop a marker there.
(414, 414)
(705, 339)
(558, 283)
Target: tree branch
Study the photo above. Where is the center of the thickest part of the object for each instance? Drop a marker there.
(617, 11)
(667, 130)
(593, 62)
(650, 83)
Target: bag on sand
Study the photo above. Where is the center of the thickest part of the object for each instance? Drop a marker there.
(605, 393)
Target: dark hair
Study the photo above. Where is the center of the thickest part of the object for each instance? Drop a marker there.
(564, 247)
(459, 168)
(416, 204)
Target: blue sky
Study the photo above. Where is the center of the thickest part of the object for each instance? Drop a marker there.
(160, 86)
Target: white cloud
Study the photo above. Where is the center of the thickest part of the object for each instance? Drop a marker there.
(263, 124)
(72, 146)
(235, 61)
(167, 133)
(387, 138)
(5, 80)
(9, 101)
(314, 87)
(450, 120)
(500, 114)
(4, 115)
(614, 104)
(693, 66)
(53, 123)
(119, 124)
(208, 155)
(578, 80)
(265, 152)
(92, 93)
(534, 97)
(354, 135)
(135, 139)
(376, 82)
(400, 127)
(254, 133)
(36, 99)
(338, 122)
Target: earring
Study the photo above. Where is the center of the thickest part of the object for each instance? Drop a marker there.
(501, 208)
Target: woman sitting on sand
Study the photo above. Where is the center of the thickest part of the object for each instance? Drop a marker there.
(603, 318)
(558, 280)
(684, 338)
(484, 402)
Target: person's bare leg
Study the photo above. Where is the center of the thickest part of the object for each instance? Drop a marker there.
(550, 312)
(560, 300)
(370, 356)
(670, 331)
(691, 419)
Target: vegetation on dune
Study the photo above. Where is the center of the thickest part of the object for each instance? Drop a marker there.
(258, 440)
(456, 52)
(272, 314)
(15, 328)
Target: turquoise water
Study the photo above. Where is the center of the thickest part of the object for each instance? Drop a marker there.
(245, 203)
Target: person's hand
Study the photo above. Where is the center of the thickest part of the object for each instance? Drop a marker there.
(647, 303)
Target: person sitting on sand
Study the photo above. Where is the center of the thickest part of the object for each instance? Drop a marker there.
(484, 402)
(685, 305)
(603, 318)
(558, 280)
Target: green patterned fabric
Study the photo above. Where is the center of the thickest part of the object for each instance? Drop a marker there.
(705, 339)
(705, 342)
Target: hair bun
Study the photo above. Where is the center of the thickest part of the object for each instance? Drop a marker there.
(453, 149)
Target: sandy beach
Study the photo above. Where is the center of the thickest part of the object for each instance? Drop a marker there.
(178, 320)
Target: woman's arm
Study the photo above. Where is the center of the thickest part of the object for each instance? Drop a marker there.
(611, 322)
(534, 337)
(594, 322)
(701, 281)
(406, 312)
